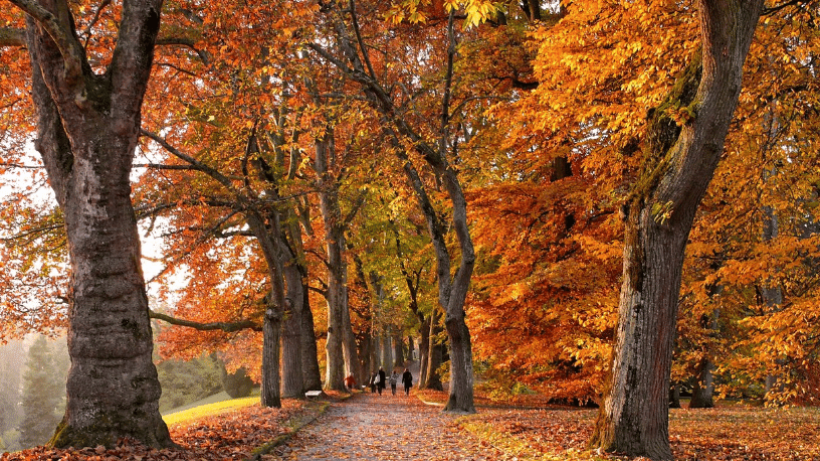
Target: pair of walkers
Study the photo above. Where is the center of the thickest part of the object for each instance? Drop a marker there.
(379, 380)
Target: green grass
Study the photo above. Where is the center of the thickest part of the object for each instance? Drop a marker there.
(208, 409)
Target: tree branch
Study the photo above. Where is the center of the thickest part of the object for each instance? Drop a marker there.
(159, 166)
(365, 54)
(187, 43)
(228, 327)
(212, 172)
(70, 49)
(10, 37)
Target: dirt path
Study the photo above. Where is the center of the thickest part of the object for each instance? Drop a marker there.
(370, 427)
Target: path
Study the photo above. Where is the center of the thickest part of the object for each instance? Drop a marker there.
(370, 427)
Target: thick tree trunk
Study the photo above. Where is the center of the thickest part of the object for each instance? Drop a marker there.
(293, 384)
(88, 128)
(461, 365)
(270, 359)
(634, 417)
(312, 376)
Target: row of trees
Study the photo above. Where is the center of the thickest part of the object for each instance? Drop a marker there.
(293, 154)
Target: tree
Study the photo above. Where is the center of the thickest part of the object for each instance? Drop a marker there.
(683, 152)
(89, 117)
(43, 393)
(437, 151)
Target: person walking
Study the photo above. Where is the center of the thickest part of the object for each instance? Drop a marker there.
(350, 382)
(394, 378)
(407, 380)
(373, 382)
(381, 380)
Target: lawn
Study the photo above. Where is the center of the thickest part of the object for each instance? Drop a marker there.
(732, 431)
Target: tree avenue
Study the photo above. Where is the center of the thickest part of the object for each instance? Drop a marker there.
(608, 204)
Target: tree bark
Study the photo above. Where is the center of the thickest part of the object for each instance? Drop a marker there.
(293, 383)
(88, 128)
(334, 243)
(310, 353)
(411, 347)
(350, 349)
(704, 388)
(435, 355)
(398, 351)
(682, 160)
(270, 396)
(674, 396)
(424, 351)
(771, 293)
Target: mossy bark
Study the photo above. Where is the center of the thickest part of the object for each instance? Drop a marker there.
(680, 164)
(88, 127)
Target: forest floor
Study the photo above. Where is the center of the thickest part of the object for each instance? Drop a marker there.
(530, 429)
(370, 427)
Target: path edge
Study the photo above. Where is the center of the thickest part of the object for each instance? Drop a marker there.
(266, 448)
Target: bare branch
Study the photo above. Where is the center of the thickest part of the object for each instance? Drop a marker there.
(228, 327)
(159, 166)
(212, 172)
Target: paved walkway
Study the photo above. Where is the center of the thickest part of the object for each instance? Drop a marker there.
(371, 427)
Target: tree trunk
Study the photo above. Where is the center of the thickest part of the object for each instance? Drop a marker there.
(771, 293)
(270, 396)
(310, 353)
(704, 388)
(293, 384)
(88, 128)
(387, 354)
(435, 355)
(424, 351)
(674, 396)
(411, 347)
(365, 364)
(350, 349)
(398, 351)
(334, 243)
(680, 164)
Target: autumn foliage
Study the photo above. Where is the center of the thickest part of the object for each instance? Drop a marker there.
(274, 134)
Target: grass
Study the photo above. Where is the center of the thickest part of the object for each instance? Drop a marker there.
(209, 409)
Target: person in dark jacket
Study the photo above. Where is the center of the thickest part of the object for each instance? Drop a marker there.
(407, 380)
(382, 380)
(373, 382)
